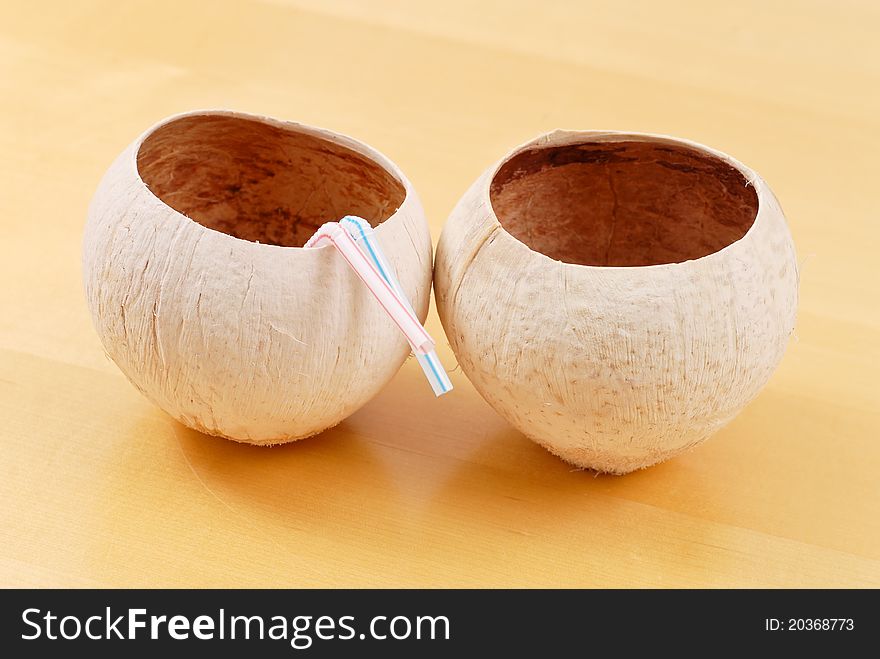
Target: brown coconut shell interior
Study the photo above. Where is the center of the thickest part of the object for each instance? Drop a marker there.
(625, 203)
(261, 182)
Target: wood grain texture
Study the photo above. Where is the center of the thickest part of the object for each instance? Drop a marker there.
(102, 488)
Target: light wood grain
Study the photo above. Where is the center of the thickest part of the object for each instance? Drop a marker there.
(99, 487)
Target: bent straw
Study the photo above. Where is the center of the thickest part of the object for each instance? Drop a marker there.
(399, 311)
(362, 232)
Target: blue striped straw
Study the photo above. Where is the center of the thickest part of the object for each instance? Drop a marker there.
(362, 234)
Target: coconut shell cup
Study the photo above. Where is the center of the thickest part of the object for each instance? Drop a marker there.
(202, 294)
(617, 297)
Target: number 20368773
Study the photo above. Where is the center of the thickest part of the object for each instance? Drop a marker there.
(809, 624)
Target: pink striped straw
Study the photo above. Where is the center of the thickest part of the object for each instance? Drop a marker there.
(398, 310)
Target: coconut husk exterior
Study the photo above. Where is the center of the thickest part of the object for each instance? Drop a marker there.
(645, 320)
(261, 343)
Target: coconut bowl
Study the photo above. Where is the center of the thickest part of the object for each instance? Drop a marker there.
(202, 294)
(617, 297)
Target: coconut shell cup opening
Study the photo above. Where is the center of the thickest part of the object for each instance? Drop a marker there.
(199, 290)
(626, 203)
(262, 182)
(617, 297)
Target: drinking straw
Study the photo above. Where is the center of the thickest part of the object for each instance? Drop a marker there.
(359, 229)
(399, 311)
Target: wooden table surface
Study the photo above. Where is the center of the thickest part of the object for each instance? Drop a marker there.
(101, 488)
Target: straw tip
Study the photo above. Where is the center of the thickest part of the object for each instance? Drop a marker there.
(441, 392)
